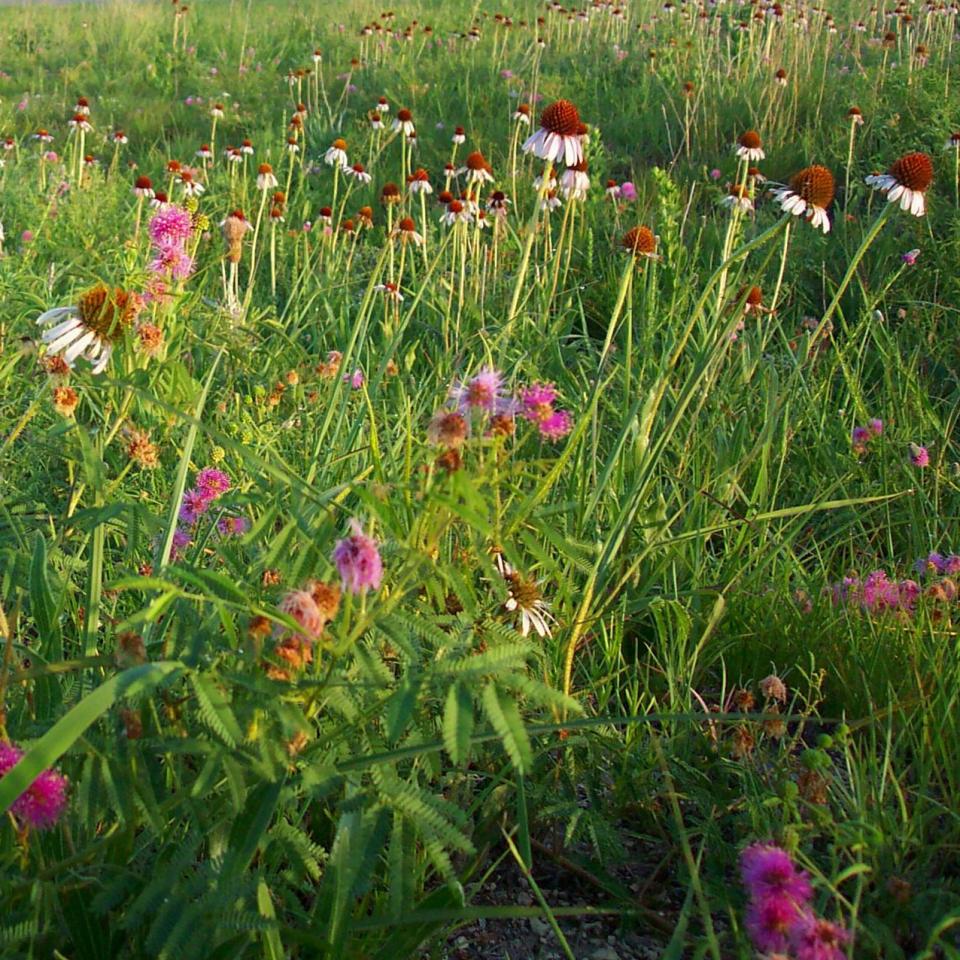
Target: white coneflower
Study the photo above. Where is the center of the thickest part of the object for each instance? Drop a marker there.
(9, 144)
(120, 137)
(191, 187)
(383, 105)
(809, 195)
(43, 136)
(738, 196)
(389, 291)
(522, 114)
(748, 147)
(82, 106)
(538, 183)
(292, 146)
(419, 182)
(612, 190)
(459, 136)
(143, 188)
(403, 122)
(376, 121)
(358, 173)
(336, 155)
(266, 178)
(906, 182)
(550, 201)
(317, 56)
(558, 136)
(525, 600)
(412, 141)
(90, 329)
(456, 212)
(204, 153)
(79, 122)
(498, 204)
(406, 230)
(855, 116)
(159, 201)
(216, 111)
(953, 143)
(246, 148)
(574, 182)
(234, 155)
(477, 169)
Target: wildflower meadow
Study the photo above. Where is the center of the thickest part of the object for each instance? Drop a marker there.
(480, 480)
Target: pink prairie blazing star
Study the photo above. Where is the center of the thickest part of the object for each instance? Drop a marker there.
(42, 804)
(358, 562)
(172, 225)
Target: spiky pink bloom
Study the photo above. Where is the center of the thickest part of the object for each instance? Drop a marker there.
(233, 526)
(212, 483)
(769, 921)
(42, 804)
(556, 426)
(484, 392)
(767, 870)
(875, 426)
(171, 226)
(181, 540)
(193, 506)
(813, 938)
(919, 456)
(300, 605)
(358, 562)
(536, 399)
(171, 259)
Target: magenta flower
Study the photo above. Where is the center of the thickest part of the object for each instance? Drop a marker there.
(233, 526)
(484, 393)
(556, 426)
(355, 379)
(768, 871)
(42, 804)
(212, 483)
(173, 260)
(910, 257)
(628, 191)
(171, 226)
(951, 565)
(357, 559)
(919, 456)
(875, 426)
(769, 921)
(193, 506)
(535, 399)
(932, 563)
(178, 546)
(816, 939)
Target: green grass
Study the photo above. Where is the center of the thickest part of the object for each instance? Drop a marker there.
(685, 534)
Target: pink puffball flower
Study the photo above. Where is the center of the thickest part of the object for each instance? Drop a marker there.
(919, 456)
(816, 939)
(355, 379)
(357, 559)
(767, 870)
(536, 401)
(484, 392)
(194, 506)
(556, 426)
(910, 257)
(42, 804)
(171, 226)
(212, 483)
(232, 526)
(300, 605)
(173, 260)
(628, 191)
(875, 426)
(769, 921)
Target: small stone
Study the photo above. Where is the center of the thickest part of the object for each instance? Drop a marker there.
(539, 926)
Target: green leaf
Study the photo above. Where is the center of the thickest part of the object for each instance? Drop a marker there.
(272, 944)
(215, 709)
(458, 723)
(505, 719)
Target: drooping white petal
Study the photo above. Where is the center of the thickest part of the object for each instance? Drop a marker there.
(71, 323)
(78, 346)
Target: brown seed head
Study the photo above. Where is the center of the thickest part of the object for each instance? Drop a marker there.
(815, 185)
(109, 313)
(914, 171)
(562, 118)
(640, 241)
(750, 139)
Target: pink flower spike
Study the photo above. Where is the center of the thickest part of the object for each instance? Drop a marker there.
(919, 456)
(557, 425)
(816, 939)
(42, 804)
(358, 562)
(767, 870)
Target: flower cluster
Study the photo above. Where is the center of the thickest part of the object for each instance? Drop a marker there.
(210, 485)
(358, 562)
(779, 914)
(170, 229)
(537, 406)
(861, 436)
(876, 593)
(312, 608)
(42, 804)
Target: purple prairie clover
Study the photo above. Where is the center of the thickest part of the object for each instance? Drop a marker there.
(919, 456)
(355, 379)
(932, 563)
(212, 483)
(178, 546)
(767, 870)
(42, 804)
(875, 426)
(357, 559)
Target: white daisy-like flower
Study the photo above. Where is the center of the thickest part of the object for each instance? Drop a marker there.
(336, 155)
(809, 195)
(525, 601)
(906, 182)
(559, 136)
(748, 147)
(574, 182)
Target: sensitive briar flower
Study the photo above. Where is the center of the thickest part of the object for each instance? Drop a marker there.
(906, 182)
(42, 804)
(559, 135)
(91, 328)
(525, 600)
(482, 393)
(357, 559)
(768, 870)
(910, 257)
(919, 456)
(809, 195)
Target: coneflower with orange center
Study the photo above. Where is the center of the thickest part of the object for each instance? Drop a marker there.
(403, 123)
(266, 178)
(406, 231)
(358, 172)
(906, 182)
(738, 197)
(574, 181)
(336, 155)
(809, 195)
(559, 135)
(641, 242)
(91, 328)
(419, 181)
(390, 194)
(477, 169)
(748, 147)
